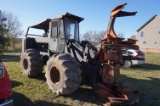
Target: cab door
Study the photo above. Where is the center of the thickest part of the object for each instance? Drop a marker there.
(53, 36)
(61, 38)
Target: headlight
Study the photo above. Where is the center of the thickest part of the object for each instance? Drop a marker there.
(1, 72)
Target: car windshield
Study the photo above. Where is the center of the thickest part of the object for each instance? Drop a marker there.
(71, 29)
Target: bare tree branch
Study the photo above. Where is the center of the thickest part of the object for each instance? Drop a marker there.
(93, 37)
(120, 34)
(13, 27)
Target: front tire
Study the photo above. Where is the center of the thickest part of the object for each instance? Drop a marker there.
(31, 63)
(63, 74)
(127, 63)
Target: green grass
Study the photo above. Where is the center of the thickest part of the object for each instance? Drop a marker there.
(146, 78)
(35, 92)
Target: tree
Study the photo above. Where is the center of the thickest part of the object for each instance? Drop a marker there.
(3, 39)
(99, 36)
(93, 37)
(120, 35)
(13, 27)
(88, 35)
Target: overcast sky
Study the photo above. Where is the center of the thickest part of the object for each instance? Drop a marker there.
(95, 12)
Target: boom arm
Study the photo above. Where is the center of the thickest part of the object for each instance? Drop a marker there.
(116, 12)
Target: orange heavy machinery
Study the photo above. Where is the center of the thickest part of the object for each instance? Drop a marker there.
(65, 56)
(110, 57)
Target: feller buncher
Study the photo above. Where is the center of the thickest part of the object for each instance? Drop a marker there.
(66, 58)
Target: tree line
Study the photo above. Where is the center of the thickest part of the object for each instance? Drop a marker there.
(10, 29)
(95, 37)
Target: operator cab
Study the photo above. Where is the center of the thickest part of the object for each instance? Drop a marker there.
(52, 34)
(63, 26)
(66, 26)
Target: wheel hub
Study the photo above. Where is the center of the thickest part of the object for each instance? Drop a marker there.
(55, 75)
(25, 64)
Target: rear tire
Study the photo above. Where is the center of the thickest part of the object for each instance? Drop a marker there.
(63, 74)
(127, 63)
(31, 63)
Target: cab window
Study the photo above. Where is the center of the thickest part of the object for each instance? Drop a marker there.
(54, 29)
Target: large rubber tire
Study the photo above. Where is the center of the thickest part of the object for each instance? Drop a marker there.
(63, 74)
(127, 63)
(31, 63)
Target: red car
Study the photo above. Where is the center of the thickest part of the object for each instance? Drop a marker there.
(5, 87)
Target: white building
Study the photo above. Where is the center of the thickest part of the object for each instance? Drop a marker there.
(148, 35)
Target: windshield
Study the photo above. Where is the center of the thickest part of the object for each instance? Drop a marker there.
(71, 29)
(37, 32)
